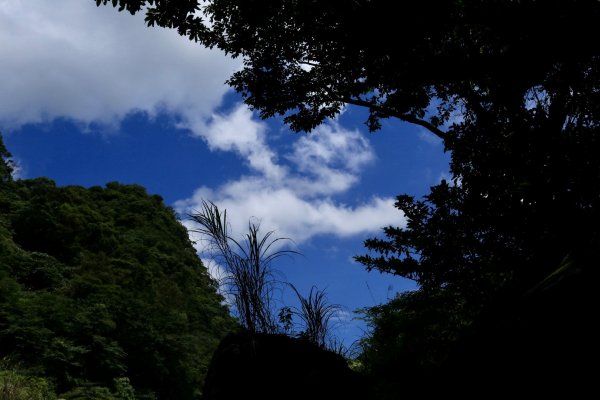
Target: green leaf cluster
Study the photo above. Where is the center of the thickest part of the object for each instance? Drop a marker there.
(101, 291)
(18, 386)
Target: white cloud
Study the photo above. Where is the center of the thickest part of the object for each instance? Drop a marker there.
(71, 59)
(330, 160)
(342, 316)
(238, 132)
(18, 171)
(297, 200)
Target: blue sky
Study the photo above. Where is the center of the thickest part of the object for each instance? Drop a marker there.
(91, 96)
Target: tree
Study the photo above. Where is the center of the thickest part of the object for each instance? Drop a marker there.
(305, 59)
(512, 88)
(522, 211)
(101, 292)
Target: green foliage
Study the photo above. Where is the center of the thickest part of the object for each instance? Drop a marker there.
(89, 392)
(17, 386)
(123, 389)
(101, 284)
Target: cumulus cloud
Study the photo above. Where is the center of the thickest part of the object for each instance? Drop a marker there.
(71, 59)
(239, 133)
(296, 199)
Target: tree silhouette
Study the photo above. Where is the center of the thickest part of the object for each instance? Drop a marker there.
(512, 88)
(305, 59)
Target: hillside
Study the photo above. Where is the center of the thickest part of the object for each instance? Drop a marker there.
(100, 287)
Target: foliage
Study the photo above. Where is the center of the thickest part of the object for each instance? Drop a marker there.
(101, 284)
(286, 319)
(89, 392)
(524, 195)
(17, 386)
(316, 314)
(249, 279)
(411, 336)
(512, 88)
(122, 391)
(305, 59)
(249, 274)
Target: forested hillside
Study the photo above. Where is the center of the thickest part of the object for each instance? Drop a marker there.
(100, 287)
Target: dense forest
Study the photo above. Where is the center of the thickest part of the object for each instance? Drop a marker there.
(102, 295)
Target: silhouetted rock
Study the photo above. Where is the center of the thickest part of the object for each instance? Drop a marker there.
(261, 366)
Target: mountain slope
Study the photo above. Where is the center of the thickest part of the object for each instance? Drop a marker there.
(104, 283)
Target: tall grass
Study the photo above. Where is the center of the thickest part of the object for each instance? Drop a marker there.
(249, 274)
(250, 281)
(316, 314)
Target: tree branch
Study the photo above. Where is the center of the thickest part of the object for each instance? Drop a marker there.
(404, 117)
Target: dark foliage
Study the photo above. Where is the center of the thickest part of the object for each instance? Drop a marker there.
(305, 59)
(101, 284)
(513, 89)
(248, 264)
(316, 314)
(524, 203)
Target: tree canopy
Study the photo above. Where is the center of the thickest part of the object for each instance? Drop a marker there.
(102, 294)
(305, 59)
